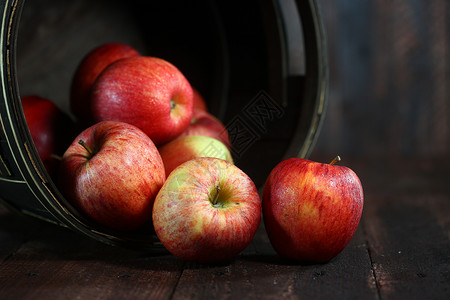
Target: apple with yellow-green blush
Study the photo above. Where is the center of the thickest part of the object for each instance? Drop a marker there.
(208, 210)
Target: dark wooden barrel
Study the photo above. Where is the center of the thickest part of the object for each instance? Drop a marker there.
(260, 65)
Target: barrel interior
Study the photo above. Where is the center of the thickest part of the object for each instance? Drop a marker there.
(231, 51)
(248, 59)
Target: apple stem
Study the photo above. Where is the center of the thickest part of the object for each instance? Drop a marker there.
(86, 146)
(335, 160)
(216, 196)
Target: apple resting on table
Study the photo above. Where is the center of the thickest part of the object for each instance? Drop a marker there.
(112, 173)
(147, 92)
(208, 210)
(311, 210)
(87, 72)
(185, 148)
(51, 129)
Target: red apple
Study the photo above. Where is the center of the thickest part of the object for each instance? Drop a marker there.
(112, 173)
(51, 129)
(311, 210)
(87, 72)
(199, 101)
(204, 123)
(186, 148)
(208, 210)
(147, 92)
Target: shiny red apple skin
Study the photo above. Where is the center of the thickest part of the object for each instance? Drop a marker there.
(117, 184)
(311, 210)
(205, 124)
(191, 227)
(87, 72)
(147, 92)
(184, 148)
(51, 129)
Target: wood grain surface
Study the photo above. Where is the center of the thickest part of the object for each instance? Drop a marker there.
(389, 78)
(401, 250)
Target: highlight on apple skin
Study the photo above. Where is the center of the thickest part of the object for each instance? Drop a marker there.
(311, 210)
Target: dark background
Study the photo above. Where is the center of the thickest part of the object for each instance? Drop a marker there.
(389, 75)
(388, 62)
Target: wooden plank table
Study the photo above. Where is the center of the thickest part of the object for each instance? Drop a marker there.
(401, 250)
